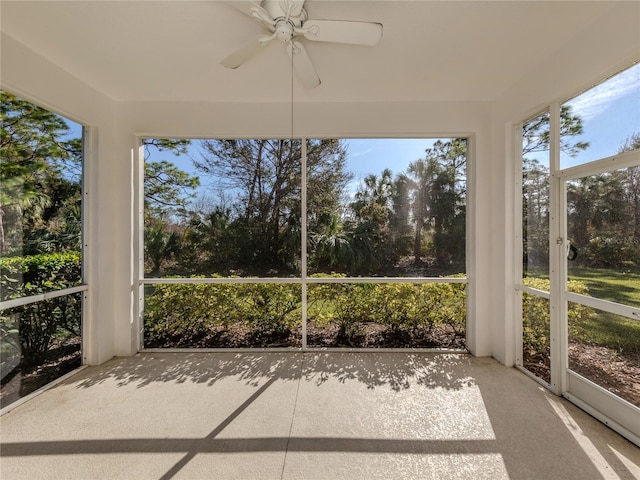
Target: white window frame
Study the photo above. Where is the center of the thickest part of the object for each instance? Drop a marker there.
(304, 279)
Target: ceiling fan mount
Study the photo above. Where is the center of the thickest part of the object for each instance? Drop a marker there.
(287, 19)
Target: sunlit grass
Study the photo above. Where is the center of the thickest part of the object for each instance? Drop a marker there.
(603, 328)
(615, 286)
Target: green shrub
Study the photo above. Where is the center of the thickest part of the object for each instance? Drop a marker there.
(536, 314)
(398, 305)
(346, 304)
(270, 307)
(187, 311)
(35, 274)
(409, 306)
(36, 325)
(607, 251)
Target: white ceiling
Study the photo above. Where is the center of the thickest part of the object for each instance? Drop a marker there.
(170, 50)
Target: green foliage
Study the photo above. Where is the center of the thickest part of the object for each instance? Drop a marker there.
(265, 176)
(35, 326)
(606, 251)
(159, 245)
(35, 274)
(346, 304)
(39, 179)
(185, 312)
(167, 189)
(270, 307)
(536, 320)
(403, 306)
(438, 199)
(536, 133)
(182, 314)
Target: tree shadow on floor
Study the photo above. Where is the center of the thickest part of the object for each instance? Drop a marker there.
(397, 371)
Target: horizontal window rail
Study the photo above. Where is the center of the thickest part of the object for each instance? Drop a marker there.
(603, 165)
(19, 302)
(533, 291)
(605, 305)
(308, 280)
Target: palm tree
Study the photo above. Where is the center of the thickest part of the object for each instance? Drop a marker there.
(420, 179)
(331, 247)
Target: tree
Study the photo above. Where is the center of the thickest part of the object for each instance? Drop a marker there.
(370, 234)
(34, 151)
(167, 193)
(438, 185)
(535, 180)
(630, 179)
(209, 240)
(535, 214)
(448, 199)
(419, 177)
(264, 178)
(167, 189)
(331, 247)
(327, 181)
(159, 245)
(535, 133)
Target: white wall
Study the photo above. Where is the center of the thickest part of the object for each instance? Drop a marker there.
(601, 50)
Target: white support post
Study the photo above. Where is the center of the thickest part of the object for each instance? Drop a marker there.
(138, 182)
(557, 266)
(517, 224)
(94, 350)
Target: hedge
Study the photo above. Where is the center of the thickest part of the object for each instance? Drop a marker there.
(190, 311)
(31, 329)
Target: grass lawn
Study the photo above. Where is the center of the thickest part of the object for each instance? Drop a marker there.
(606, 329)
(616, 286)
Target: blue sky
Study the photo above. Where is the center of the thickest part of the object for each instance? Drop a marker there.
(610, 113)
(367, 156)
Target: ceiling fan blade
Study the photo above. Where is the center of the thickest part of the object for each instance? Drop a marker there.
(339, 31)
(244, 6)
(302, 65)
(295, 6)
(241, 55)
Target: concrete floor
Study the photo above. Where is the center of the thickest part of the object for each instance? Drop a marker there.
(312, 416)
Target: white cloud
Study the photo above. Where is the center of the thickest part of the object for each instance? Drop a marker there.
(360, 153)
(593, 102)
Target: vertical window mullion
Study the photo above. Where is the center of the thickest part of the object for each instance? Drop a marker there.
(303, 239)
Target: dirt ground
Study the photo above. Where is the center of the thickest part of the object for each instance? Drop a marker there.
(22, 381)
(617, 372)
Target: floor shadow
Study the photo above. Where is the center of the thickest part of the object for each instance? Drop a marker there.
(395, 370)
(236, 445)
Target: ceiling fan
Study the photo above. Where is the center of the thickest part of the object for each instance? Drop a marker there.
(287, 19)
